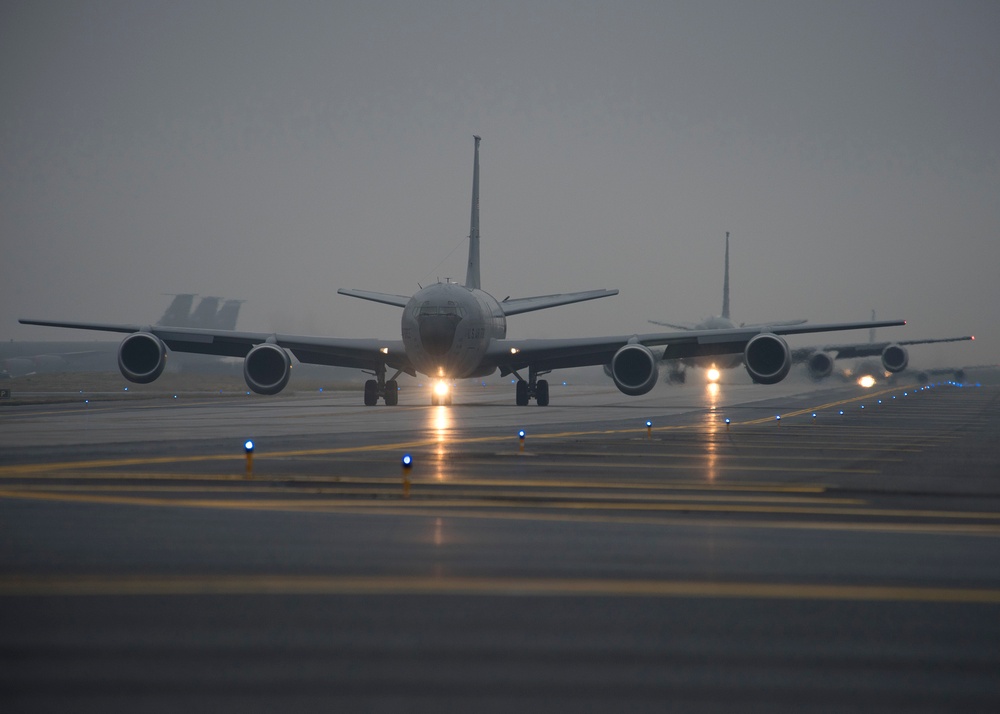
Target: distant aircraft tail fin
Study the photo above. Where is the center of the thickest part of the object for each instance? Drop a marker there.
(472, 273)
(725, 283)
(204, 315)
(179, 312)
(225, 318)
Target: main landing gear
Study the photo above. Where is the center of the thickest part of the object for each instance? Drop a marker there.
(381, 387)
(534, 387)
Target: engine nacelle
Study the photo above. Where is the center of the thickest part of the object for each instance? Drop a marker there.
(895, 358)
(820, 365)
(267, 368)
(142, 357)
(767, 359)
(634, 369)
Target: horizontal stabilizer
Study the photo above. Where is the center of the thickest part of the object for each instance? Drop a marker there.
(540, 302)
(386, 298)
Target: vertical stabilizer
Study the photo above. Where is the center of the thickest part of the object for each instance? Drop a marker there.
(725, 283)
(472, 273)
(179, 312)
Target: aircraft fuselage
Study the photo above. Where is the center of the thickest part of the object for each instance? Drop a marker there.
(729, 361)
(447, 328)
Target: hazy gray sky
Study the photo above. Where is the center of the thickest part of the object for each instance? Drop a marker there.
(278, 151)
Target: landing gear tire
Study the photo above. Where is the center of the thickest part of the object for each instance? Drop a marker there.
(391, 393)
(542, 393)
(521, 393)
(371, 393)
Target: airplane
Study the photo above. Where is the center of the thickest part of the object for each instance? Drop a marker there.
(894, 357)
(722, 321)
(207, 314)
(18, 359)
(451, 331)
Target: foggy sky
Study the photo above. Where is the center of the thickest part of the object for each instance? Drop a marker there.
(275, 152)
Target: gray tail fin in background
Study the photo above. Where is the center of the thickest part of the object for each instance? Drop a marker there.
(179, 312)
(472, 273)
(725, 283)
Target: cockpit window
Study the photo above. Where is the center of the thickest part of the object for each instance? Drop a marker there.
(428, 309)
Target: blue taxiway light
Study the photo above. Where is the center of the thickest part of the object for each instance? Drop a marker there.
(520, 434)
(407, 461)
(649, 423)
(777, 418)
(248, 446)
(841, 412)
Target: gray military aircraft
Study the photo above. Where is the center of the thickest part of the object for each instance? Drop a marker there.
(451, 331)
(894, 357)
(676, 367)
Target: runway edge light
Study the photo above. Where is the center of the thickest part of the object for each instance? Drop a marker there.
(248, 448)
(406, 463)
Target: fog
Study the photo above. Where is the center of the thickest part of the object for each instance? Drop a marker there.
(275, 152)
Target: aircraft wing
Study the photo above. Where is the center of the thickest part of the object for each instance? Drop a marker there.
(387, 298)
(516, 306)
(864, 349)
(547, 354)
(782, 323)
(337, 352)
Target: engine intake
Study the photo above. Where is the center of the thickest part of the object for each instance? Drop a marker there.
(767, 359)
(634, 369)
(267, 368)
(820, 365)
(142, 357)
(895, 358)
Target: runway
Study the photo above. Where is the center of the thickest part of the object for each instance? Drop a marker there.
(842, 557)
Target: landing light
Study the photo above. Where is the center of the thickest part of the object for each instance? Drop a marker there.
(441, 388)
(514, 350)
(384, 350)
(867, 381)
(713, 375)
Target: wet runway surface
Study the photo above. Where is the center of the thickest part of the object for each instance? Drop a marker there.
(842, 561)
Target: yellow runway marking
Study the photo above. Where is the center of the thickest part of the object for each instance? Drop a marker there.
(393, 506)
(751, 486)
(453, 493)
(193, 585)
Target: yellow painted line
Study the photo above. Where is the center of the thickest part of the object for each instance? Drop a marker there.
(200, 585)
(453, 493)
(751, 486)
(388, 505)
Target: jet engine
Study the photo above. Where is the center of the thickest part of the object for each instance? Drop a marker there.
(634, 369)
(895, 358)
(820, 365)
(142, 357)
(767, 359)
(266, 368)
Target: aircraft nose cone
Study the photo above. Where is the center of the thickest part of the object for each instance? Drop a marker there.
(437, 333)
